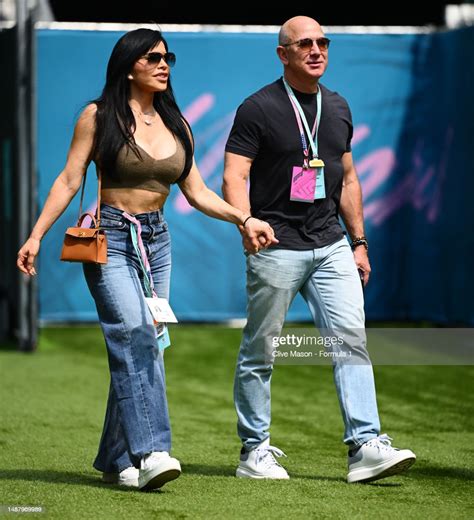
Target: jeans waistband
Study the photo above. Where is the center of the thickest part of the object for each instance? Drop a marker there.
(152, 217)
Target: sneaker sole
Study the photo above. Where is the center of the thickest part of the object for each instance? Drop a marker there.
(112, 479)
(362, 475)
(161, 479)
(131, 482)
(245, 473)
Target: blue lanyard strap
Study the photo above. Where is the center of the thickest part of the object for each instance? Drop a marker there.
(301, 120)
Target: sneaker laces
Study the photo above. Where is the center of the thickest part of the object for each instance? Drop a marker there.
(382, 442)
(265, 455)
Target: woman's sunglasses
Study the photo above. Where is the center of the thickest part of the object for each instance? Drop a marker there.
(154, 58)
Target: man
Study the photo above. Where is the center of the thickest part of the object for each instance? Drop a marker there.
(292, 139)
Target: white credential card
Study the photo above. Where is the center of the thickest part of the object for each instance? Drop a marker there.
(161, 310)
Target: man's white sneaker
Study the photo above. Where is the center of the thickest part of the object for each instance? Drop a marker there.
(261, 463)
(156, 469)
(128, 477)
(376, 459)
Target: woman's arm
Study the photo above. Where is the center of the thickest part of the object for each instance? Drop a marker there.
(259, 233)
(234, 187)
(64, 188)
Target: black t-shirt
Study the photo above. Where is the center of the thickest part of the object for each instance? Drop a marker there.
(265, 130)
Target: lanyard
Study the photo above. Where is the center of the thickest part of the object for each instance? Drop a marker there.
(141, 253)
(301, 120)
(162, 335)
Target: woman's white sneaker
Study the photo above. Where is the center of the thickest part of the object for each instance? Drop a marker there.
(128, 477)
(156, 469)
(377, 459)
(261, 463)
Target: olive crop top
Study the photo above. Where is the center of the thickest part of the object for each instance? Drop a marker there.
(146, 173)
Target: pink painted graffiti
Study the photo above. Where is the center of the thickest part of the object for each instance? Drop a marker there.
(420, 187)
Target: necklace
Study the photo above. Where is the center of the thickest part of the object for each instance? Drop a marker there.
(143, 115)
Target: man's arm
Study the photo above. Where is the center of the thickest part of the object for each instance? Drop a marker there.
(234, 187)
(352, 213)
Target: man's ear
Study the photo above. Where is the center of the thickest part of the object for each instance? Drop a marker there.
(282, 54)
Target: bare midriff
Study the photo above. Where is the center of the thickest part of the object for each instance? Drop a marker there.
(132, 200)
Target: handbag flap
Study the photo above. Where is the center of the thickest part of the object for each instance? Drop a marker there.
(82, 232)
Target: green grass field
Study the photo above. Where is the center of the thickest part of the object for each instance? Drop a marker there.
(52, 408)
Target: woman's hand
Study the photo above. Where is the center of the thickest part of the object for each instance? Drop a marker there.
(257, 235)
(26, 256)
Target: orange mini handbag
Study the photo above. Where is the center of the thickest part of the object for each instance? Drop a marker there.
(81, 244)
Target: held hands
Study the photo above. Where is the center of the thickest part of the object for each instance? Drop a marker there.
(256, 235)
(26, 256)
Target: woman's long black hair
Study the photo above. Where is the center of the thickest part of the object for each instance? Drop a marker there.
(115, 123)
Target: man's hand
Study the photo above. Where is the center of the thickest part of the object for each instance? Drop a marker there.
(257, 235)
(362, 262)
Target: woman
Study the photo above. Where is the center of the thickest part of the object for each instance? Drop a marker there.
(140, 142)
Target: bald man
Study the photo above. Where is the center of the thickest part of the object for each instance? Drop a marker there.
(292, 140)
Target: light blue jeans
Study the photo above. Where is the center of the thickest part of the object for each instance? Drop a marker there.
(328, 280)
(136, 420)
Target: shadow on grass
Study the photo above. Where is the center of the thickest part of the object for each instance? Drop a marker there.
(378, 483)
(317, 477)
(208, 471)
(59, 477)
(80, 479)
(443, 472)
(229, 471)
(9, 346)
(344, 481)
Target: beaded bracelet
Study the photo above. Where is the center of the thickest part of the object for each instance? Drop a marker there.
(360, 241)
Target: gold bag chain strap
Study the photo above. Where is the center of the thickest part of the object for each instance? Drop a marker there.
(99, 186)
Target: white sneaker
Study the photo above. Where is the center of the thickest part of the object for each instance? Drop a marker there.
(377, 459)
(128, 477)
(261, 463)
(156, 469)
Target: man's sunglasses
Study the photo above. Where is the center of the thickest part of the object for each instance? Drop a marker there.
(306, 44)
(154, 58)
